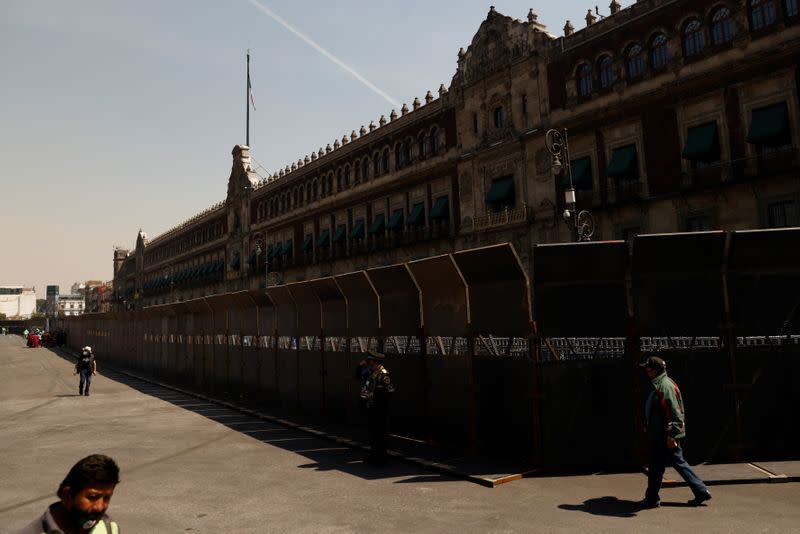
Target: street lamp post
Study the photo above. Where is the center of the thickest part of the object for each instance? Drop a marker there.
(266, 262)
(582, 222)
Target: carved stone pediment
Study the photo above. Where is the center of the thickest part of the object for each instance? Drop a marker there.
(499, 41)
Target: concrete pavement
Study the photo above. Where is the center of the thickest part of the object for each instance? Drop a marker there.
(193, 466)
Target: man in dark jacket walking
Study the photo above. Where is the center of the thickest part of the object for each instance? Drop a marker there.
(665, 428)
(87, 368)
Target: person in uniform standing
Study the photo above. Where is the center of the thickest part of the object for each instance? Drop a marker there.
(377, 391)
(87, 368)
(665, 429)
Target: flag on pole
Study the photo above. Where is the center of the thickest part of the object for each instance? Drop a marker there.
(250, 92)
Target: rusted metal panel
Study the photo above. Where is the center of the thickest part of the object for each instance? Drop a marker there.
(265, 313)
(363, 315)
(677, 283)
(309, 319)
(765, 251)
(333, 306)
(764, 282)
(444, 296)
(499, 292)
(286, 310)
(571, 282)
(398, 298)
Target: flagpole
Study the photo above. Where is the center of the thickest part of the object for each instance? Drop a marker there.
(247, 100)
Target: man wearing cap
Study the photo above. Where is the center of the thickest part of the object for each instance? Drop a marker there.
(665, 428)
(379, 388)
(86, 367)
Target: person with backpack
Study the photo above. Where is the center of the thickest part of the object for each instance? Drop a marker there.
(87, 368)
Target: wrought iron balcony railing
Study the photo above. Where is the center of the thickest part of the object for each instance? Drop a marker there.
(500, 218)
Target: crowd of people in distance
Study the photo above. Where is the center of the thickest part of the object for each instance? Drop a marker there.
(44, 338)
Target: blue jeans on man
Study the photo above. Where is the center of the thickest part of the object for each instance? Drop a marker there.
(86, 379)
(660, 457)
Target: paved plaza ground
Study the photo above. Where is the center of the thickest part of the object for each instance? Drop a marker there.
(192, 466)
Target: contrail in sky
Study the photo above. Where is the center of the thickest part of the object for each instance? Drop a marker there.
(344, 66)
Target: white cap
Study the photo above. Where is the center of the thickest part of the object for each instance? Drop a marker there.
(87, 348)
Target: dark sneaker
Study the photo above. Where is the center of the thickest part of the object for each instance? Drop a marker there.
(648, 503)
(87, 394)
(80, 391)
(700, 498)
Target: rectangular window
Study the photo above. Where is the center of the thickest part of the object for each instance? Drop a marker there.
(624, 164)
(783, 214)
(698, 223)
(499, 117)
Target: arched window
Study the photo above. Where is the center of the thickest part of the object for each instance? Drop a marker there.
(303, 198)
(376, 165)
(357, 167)
(499, 117)
(791, 8)
(693, 41)
(434, 140)
(584, 75)
(314, 186)
(635, 61)
(407, 154)
(347, 176)
(422, 148)
(721, 26)
(606, 69)
(329, 184)
(365, 169)
(659, 52)
(399, 160)
(339, 180)
(385, 160)
(762, 14)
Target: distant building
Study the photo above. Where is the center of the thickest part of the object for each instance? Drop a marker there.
(51, 304)
(98, 296)
(681, 116)
(71, 305)
(17, 302)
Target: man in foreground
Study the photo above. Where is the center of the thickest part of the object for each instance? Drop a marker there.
(84, 496)
(665, 428)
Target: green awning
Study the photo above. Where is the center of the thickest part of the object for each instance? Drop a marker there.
(253, 257)
(378, 225)
(770, 126)
(308, 243)
(235, 261)
(702, 143)
(502, 191)
(441, 209)
(358, 230)
(270, 252)
(278, 252)
(624, 163)
(581, 174)
(288, 248)
(341, 233)
(324, 238)
(396, 220)
(417, 215)
(220, 266)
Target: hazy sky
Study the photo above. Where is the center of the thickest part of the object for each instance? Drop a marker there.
(118, 115)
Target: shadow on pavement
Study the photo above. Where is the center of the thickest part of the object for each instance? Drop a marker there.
(608, 506)
(325, 453)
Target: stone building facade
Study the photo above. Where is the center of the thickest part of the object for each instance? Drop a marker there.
(682, 115)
